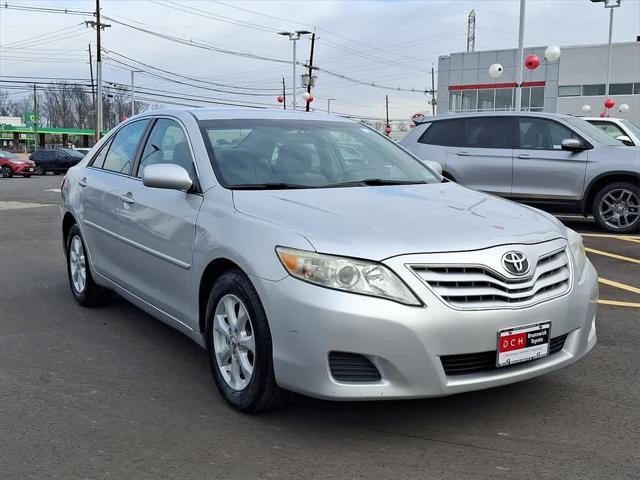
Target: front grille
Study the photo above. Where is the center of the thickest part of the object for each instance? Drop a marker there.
(486, 361)
(479, 287)
(351, 367)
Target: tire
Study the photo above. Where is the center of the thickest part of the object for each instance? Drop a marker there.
(86, 292)
(40, 171)
(6, 172)
(250, 392)
(616, 208)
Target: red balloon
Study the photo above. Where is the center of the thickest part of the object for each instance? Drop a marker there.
(310, 99)
(280, 99)
(387, 129)
(609, 103)
(603, 114)
(532, 62)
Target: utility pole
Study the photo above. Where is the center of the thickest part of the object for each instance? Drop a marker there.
(520, 58)
(313, 41)
(133, 95)
(284, 94)
(35, 120)
(387, 127)
(433, 91)
(294, 37)
(471, 31)
(93, 91)
(98, 25)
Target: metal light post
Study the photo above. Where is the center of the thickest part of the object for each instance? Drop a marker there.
(294, 37)
(520, 58)
(329, 104)
(610, 4)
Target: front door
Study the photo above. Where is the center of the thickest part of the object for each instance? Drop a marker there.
(541, 169)
(158, 227)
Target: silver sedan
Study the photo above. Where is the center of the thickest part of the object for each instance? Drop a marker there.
(309, 253)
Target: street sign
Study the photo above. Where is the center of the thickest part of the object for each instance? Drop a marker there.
(30, 118)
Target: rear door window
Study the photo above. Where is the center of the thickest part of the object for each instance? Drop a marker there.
(444, 132)
(124, 147)
(478, 132)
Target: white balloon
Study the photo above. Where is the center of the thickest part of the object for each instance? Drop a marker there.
(495, 70)
(552, 53)
(624, 107)
(586, 108)
(306, 95)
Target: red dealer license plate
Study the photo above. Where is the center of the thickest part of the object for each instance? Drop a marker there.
(523, 344)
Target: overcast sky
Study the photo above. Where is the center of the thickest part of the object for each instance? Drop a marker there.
(393, 43)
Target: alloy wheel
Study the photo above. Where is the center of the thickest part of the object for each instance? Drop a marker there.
(78, 265)
(619, 208)
(6, 172)
(234, 342)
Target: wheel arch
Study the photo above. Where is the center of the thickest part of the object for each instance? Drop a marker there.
(68, 221)
(604, 179)
(211, 273)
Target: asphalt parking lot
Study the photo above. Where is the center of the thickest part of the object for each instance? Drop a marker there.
(114, 393)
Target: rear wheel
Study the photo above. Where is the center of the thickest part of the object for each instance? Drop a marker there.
(40, 171)
(86, 292)
(6, 172)
(616, 208)
(239, 345)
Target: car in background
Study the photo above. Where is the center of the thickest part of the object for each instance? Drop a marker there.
(621, 129)
(11, 164)
(342, 273)
(56, 160)
(555, 162)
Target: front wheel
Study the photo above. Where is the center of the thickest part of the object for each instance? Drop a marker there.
(86, 292)
(616, 208)
(6, 172)
(239, 345)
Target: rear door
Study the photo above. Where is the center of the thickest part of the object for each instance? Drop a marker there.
(480, 155)
(541, 169)
(104, 184)
(158, 226)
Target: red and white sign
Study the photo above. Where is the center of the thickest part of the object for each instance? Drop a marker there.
(522, 344)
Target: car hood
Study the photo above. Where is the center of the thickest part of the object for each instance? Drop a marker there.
(382, 222)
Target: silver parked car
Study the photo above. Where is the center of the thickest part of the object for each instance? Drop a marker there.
(309, 253)
(555, 162)
(621, 129)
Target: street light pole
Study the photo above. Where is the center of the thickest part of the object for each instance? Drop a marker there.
(610, 4)
(329, 104)
(133, 95)
(520, 58)
(294, 37)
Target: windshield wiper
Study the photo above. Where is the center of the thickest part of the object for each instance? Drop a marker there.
(373, 182)
(266, 186)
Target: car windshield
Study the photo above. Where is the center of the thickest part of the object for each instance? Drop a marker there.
(632, 127)
(278, 154)
(9, 155)
(592, 131)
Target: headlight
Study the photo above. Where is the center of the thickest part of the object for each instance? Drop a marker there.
(347, 274)
(577, 251)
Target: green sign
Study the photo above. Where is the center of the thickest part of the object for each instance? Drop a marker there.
(30, 117)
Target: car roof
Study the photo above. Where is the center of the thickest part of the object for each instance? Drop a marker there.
(246, 113)
(602, 119)
(449, 116)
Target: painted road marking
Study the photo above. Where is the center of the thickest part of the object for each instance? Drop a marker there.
(621, 286)
(617, 237)
(12, 205)
(612, 255)
(57, 190)
(615, 303)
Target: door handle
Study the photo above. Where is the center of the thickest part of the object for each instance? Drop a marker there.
(463, 154)
(127, 198)
(524, 155)
(83, 182)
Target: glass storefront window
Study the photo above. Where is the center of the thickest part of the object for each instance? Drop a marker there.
(621, 88)
(469, 100)
(526, 97)
(569, 91)
(455, 100)
(504, 99)
(486, 99)
(593, 90)
(537, 99)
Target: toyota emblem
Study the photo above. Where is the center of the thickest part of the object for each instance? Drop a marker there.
(516, 263)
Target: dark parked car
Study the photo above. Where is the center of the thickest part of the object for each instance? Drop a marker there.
(56, 160)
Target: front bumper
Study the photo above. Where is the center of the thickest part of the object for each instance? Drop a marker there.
(24, 170)
(405, 343)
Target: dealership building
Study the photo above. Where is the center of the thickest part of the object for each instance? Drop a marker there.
(578, 78)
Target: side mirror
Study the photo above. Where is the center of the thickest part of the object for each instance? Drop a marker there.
(626, 140)
(433, 165)
(167, 175)
(572, 145)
